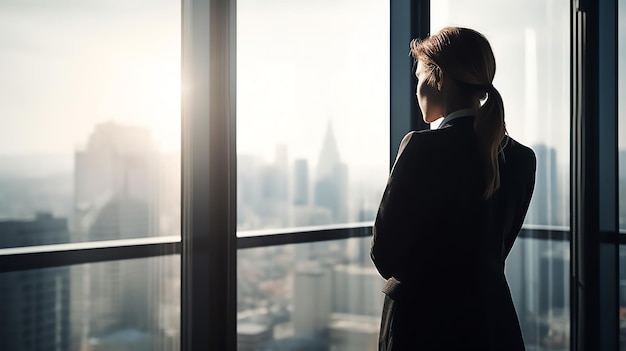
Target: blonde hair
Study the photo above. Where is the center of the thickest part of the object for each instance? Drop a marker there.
(466, 57)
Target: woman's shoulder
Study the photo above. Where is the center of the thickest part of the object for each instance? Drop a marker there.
(431, 140)
(426, 136)
(519, 151)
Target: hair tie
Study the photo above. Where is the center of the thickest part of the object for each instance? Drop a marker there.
(488, 87)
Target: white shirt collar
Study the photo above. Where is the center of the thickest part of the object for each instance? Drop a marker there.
(456, 114)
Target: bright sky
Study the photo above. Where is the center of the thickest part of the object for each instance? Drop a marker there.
(67, 65)
(530, 41)
(304, 64)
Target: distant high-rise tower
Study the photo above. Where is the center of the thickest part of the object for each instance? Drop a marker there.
(329, 155)
(35, 304)
(331, 185)
(116, 181)
(546, 207)
(356, 290)
(301, 183)
(311, 300)
(116, 197)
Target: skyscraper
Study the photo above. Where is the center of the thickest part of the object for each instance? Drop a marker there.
(301, 183)
(547, 207)
(357, 290)
(116, 181)
(116, 197)
(311, 300)
(331, 185)
(32, 301)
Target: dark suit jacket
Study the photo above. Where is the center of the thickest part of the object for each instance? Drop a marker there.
(442, 246)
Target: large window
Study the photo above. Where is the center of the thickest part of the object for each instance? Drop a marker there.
(312, 112)
(312, 151)
(531, 45)
(89, 152)
(91, 251)
(90, 142)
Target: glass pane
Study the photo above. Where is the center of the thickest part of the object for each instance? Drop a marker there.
(89, 148)
(531, 43)
(112, 306)
(537, 271)
(312, 111)
(315, 296)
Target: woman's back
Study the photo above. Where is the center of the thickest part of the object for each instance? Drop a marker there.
(444, 244)
(453, 205)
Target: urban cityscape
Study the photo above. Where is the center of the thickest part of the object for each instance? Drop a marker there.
(312, 102)
(315, 296)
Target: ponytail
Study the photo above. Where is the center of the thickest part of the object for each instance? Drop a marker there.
(466, 56)
(490, 130)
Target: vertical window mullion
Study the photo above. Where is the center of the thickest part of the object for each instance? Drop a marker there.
(595, 255)
(208, 310)
(409, 20)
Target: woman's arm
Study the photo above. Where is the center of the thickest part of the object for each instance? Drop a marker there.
(527, 166)
(390, 233)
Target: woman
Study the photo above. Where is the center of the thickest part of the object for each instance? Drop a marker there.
(453, 206)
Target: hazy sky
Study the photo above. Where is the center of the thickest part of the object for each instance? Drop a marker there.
(530, 41)
(302, 67)
(67, 65)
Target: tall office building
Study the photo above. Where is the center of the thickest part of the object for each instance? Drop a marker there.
(248, 192)
(311, 300)
(116, 197)
(116, 182)
(44, 229)
(301, 183)
(331, 185)
(357, 290)
(548, 207)
(35, 304)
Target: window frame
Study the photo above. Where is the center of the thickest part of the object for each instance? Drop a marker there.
(594, 265)
(208, 243)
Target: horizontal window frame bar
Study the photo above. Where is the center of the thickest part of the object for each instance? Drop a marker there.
(303, 235)
(545, 233)
(338, 233)
(48, 256)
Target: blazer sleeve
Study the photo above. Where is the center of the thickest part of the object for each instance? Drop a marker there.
(526, 168)
(391, 240)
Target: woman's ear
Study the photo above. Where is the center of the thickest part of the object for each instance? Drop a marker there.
(439, 80)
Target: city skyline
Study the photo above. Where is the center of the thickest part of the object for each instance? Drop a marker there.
(313, 119)
(273, 293)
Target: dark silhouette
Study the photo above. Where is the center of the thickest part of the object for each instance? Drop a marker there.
(452, 209)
